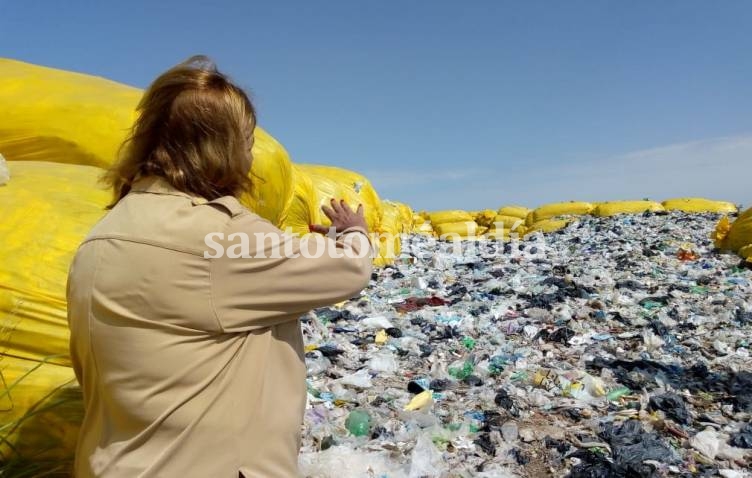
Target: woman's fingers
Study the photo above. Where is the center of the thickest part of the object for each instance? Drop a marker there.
(329, 212)
(336, 206)
(359, 212)
(318, 228)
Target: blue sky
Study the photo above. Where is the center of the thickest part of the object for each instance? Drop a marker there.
(453, 104)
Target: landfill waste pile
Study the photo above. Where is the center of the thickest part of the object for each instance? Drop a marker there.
(618, 346)
(574, 339)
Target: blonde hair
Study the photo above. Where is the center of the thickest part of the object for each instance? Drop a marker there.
(194, 129)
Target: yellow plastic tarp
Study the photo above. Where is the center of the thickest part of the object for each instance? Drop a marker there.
(66, 117)
(47, 210)
(612, 208)
(549, 211)
(514, 211)
(449, 216)
(699, 205)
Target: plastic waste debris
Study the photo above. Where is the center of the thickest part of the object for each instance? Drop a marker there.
(595, 352)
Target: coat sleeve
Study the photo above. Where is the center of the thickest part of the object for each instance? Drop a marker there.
(266, 277)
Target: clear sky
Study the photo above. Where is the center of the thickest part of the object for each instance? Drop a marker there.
(453, 104)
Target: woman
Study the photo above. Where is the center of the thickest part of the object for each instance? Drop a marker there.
(191, 362)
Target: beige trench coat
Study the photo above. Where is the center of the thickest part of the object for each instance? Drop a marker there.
(193, 366)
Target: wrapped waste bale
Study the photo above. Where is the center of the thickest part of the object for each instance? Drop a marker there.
(457, 230)
(331, 182)
(485, 218)
(514, 211)
(449, 216)
(389, 234)
(553, 210)
(48, 209)
(304, 208)
(66, 117)
(612, 208)
(699, 205)
(734, 236)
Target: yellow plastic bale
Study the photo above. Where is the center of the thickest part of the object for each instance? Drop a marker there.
(450, 216)
(485, 218)
(462, 229)
(514, 211)
(424, 228)
(41, 410)
(746, 252)
(273, 184)
(507, 223)
(699, 205)
(612, 208)
(302, 210)
(734, 235)
(47, 210)
(548, 225)
(406, 216)
(66, 117)
(61, 116)
(391, 220)
(553, 210)
(388, 247)
(331, 182)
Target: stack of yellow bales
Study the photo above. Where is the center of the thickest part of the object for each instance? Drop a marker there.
(422, 224)
(735, 236)
(508, 221)
(58, 130)
(397, 219)
(453, 224)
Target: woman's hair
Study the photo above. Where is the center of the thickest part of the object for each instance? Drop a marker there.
(194, 129)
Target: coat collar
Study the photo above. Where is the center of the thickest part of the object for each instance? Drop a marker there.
(159, 185)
